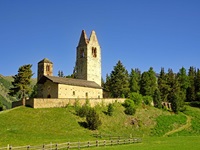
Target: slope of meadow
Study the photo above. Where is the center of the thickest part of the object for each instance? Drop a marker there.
(23, 126)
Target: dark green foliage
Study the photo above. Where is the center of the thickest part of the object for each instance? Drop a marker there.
(175, 96)
(191, 88)
(157, 99)
(162, 85)
(106, 87)
(110, 109)
(34, 92)
(147, 100)
(130, 110)
(92, 119)
(183, 81)
(60, 73)
(136, 98)
(129, 107)
(82, 111)
(128, 102)
(195, 104)
(134, 80)
(1, 105)
(119, 81)
(22, 83)
(197, 85)
(148, 83)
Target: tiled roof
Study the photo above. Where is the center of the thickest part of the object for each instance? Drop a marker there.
(45, 60)
(70, 81)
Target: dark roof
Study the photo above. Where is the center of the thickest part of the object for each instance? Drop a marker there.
(45, 60)
(70, 81)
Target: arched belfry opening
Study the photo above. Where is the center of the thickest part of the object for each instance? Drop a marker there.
(88, 68)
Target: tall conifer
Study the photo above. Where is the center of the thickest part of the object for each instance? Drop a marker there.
(119, 81)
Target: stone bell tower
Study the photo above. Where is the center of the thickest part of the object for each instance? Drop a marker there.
(88, 58)
(45, 67)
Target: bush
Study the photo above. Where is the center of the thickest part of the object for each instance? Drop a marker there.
(82, 111)
(195, 104)
(130, 110)
(110, 109)
(147, 100)
(136, 97)
(128, 103)
(92, 119)
(129, 107)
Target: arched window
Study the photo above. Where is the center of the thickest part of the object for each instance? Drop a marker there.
(94, 51)
(47, 68)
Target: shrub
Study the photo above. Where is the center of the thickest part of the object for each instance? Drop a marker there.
(128, 103)
(92, 119)
(129, 107)
(130, 110)
(110, 109)
(147, 100)
(82, 111)
(136, 97)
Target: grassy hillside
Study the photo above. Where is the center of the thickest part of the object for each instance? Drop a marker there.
(23, 126)
(161, 143)
(5, 84)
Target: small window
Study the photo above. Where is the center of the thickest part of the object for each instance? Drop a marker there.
(47, 68)
(94, 52)
(74, 93)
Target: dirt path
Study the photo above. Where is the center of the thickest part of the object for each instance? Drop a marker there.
(187, 125)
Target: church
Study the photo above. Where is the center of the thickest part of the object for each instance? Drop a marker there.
(87, 81)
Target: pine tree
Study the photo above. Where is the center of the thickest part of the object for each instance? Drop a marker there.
(106, 87)
(134, 80)
(190, 95)
(119, 81)
(197, 85)
(183, 81)
(60, 73)
(157, 99)
(22, 83)
(93, 120)
(162, 85)
(175, 96)
(170, 82)
(148, 83)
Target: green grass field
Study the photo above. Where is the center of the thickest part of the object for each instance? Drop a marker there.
(160, 143)
(28, 126)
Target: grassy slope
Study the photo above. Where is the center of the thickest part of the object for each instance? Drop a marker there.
(159, 143)
(23, 126)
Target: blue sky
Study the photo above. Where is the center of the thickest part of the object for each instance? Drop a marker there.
(140, 33)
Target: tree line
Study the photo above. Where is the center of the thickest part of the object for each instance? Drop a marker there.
(175, 88)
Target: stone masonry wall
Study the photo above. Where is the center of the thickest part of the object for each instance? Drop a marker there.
(63, 102)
